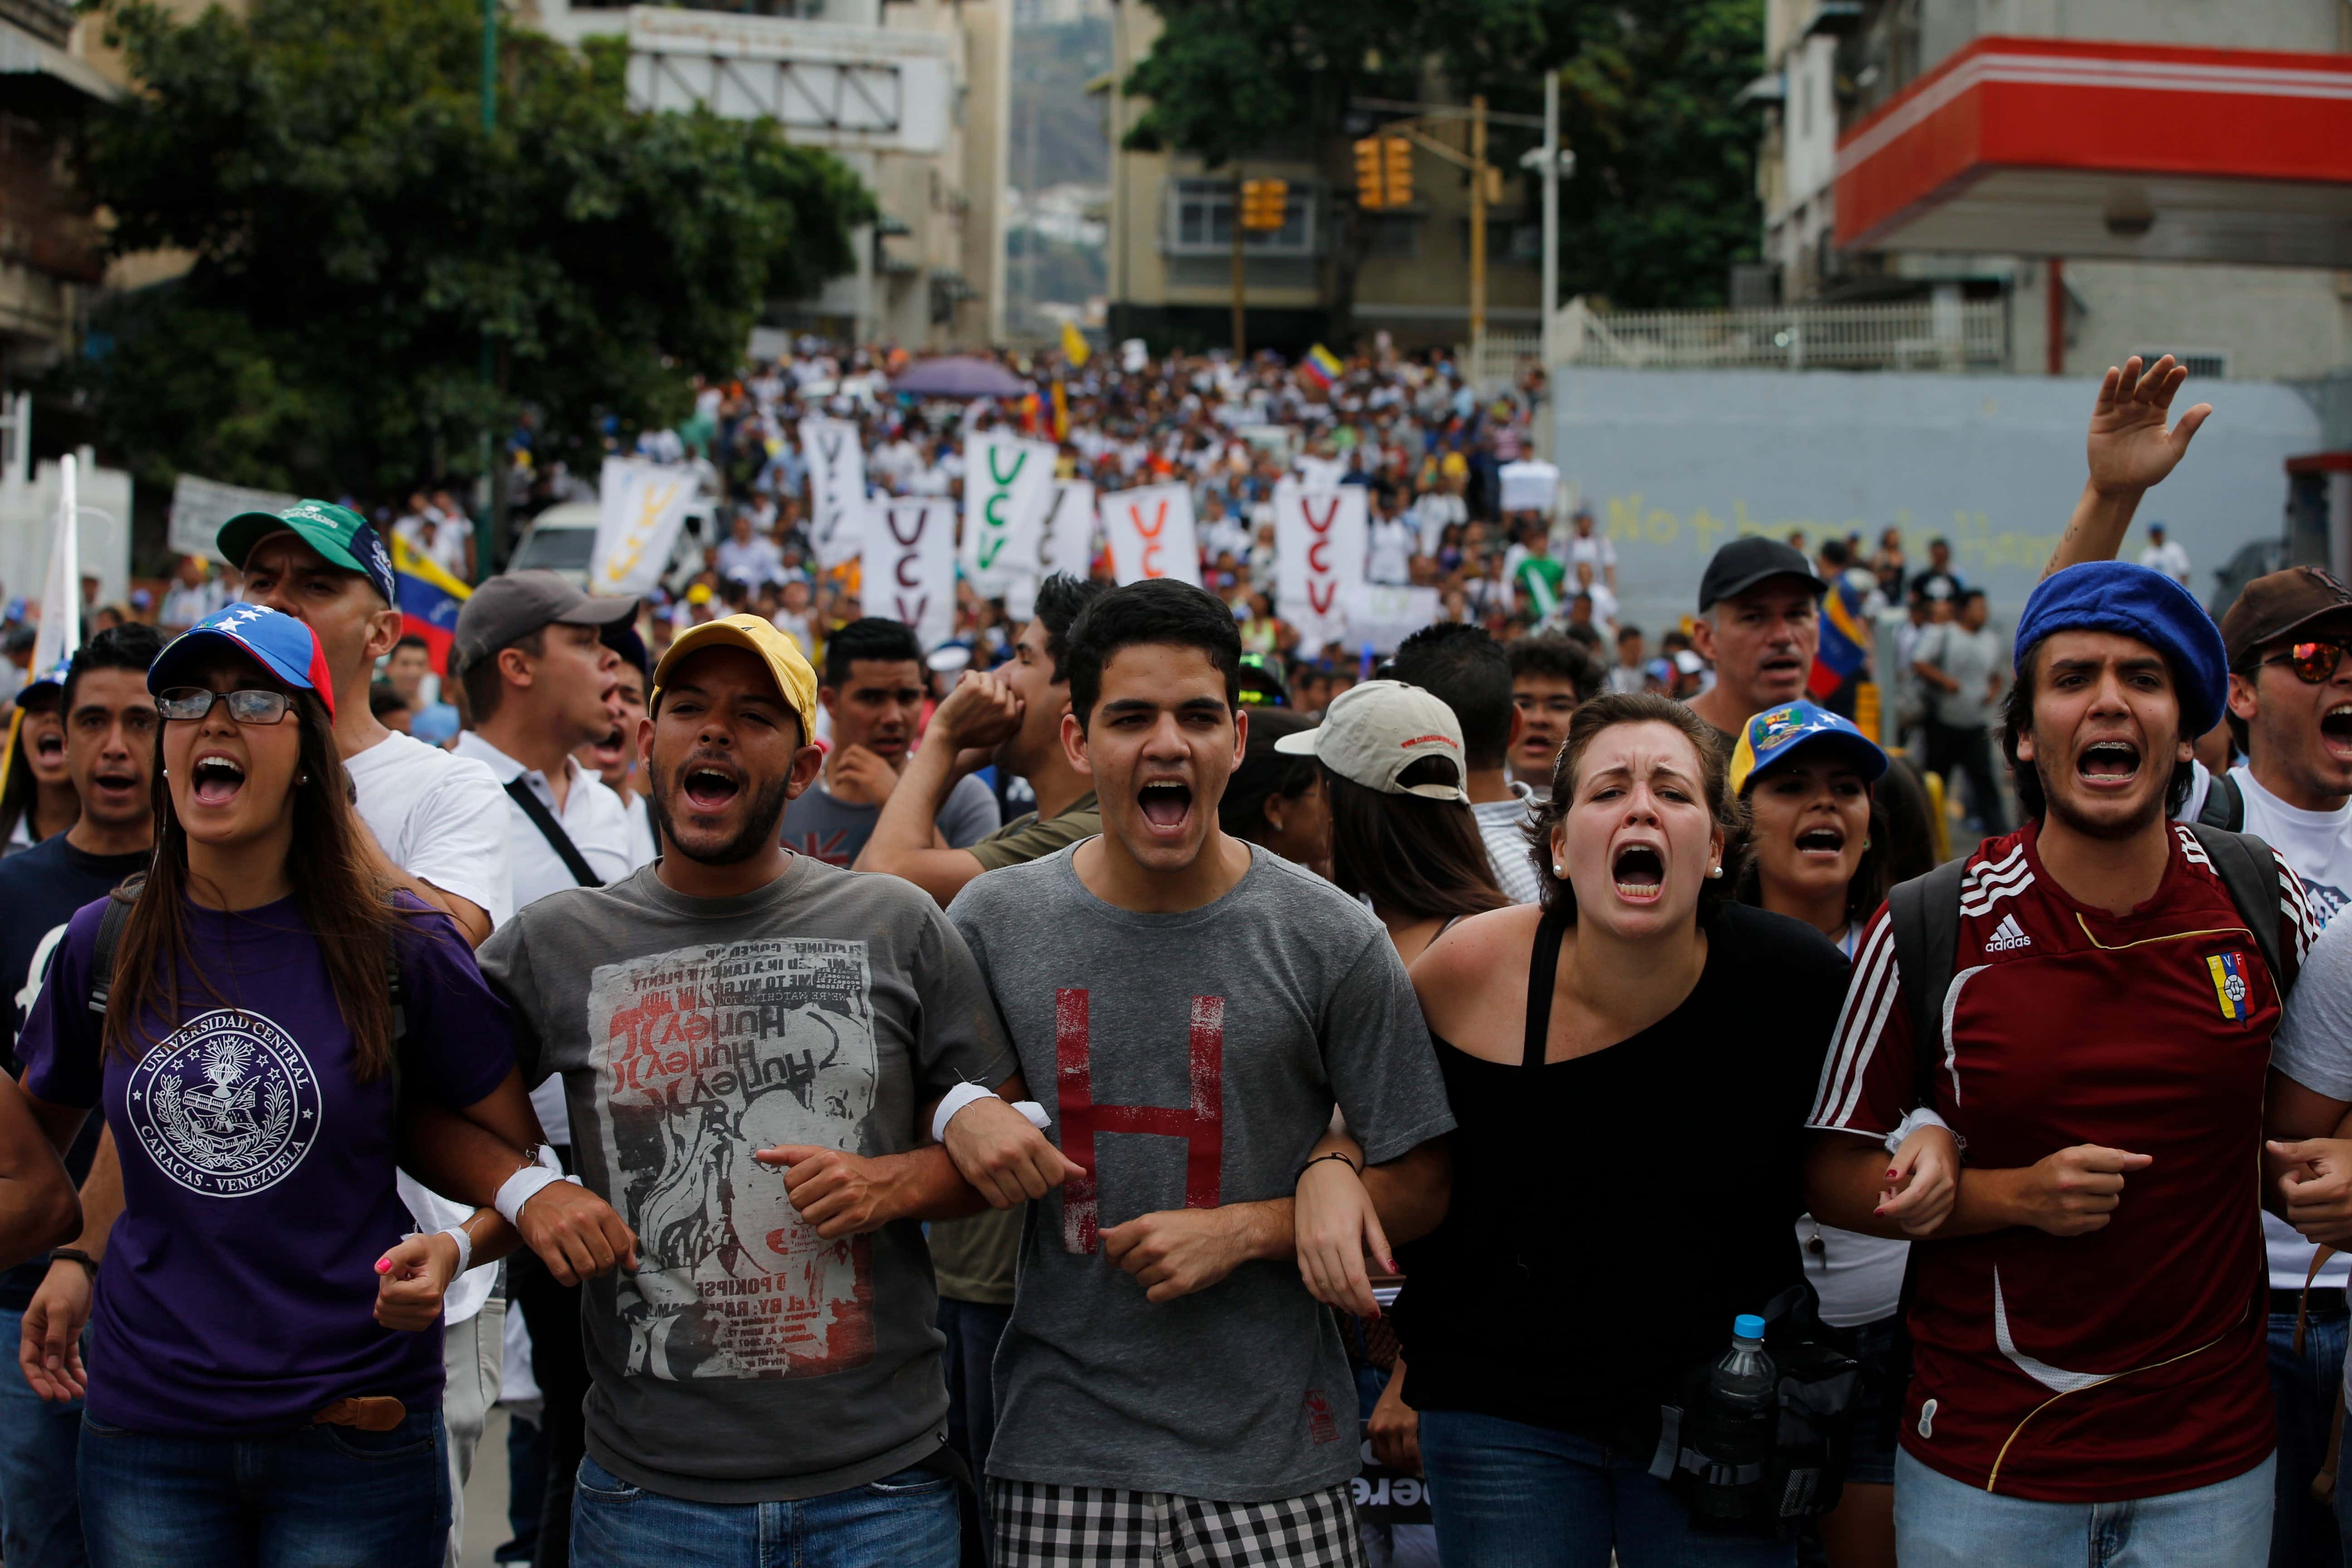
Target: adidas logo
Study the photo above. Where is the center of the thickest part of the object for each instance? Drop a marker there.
(2006, 935)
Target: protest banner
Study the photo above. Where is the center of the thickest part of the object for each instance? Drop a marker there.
(199, 506)
(1318, 548)
(641, 507)
(1008, 484)
(1528, 487)
(911, 566)
(836, 465)
(1151, 535)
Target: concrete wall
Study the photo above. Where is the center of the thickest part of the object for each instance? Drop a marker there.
(1674, 463)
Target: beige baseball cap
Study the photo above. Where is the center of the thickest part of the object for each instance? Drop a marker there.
(1376, 729)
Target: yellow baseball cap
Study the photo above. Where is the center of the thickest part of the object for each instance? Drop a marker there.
(795, 679)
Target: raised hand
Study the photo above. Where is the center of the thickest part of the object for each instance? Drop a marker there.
(2131, 448)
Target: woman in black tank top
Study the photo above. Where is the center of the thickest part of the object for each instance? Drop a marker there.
(1628, 1162)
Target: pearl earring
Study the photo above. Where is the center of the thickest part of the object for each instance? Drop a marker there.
(1715, 871)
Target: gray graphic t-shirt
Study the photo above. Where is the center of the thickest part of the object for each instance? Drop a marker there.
(822, 827)
(1188, 1061)
(747, 1359)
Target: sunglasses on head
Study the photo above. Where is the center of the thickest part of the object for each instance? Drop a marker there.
(192, 702)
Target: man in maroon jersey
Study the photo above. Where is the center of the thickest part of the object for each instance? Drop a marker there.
(2089, 1322)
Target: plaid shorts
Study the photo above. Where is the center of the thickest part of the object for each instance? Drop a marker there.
(1037, 1524)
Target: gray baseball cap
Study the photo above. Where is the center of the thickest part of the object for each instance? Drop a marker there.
(513, 605)
(1375, 730)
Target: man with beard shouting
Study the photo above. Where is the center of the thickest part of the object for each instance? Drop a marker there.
(751, 1044)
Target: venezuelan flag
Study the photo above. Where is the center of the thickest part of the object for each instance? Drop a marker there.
(1845, 641)
(429, 601)
(1321, 366)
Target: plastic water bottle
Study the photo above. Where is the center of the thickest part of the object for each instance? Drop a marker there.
(1735, 1428)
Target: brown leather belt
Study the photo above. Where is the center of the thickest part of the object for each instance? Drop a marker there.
(368, 1412)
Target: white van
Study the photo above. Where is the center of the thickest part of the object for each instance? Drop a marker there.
(563, 539)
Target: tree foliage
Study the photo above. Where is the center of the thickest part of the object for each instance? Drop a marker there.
(1662, 198)
(356, 234)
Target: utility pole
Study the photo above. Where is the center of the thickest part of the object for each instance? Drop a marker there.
(489, 526)
(1551, 218)
(1241, 268)
(1478, 177)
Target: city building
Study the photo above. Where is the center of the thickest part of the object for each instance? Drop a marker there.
(913, 95)
(50, 253)
(1404, 271)
(1962, 152)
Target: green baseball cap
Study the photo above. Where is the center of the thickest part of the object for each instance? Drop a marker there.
(337, 532)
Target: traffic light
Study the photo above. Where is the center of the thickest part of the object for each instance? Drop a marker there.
(1369, 191)
(1384, 173)
(1264, 204)
(1396, 156)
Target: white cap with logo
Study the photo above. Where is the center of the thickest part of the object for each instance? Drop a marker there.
(1375, 730)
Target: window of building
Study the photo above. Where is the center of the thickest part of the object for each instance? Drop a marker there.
(2202, 365)
(1200, 220)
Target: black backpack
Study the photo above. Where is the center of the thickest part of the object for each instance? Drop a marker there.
(1924, 916)
(2225, 805)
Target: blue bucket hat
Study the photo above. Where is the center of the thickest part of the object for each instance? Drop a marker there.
(1777, 736)
(2135, 602)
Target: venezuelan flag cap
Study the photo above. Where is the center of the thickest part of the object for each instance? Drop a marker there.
(1777, 736)
(280, 644)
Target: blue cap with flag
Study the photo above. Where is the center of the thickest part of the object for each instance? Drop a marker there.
(53, 676)
(283, 645)
(1777, 736)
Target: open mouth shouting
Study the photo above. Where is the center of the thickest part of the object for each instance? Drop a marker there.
(1640, 872)
(216, 778)
(710, 787)
(2335, 732)
(1823, 841)
(120, 788)
(609, 752)
(49, 746)
(2108, 764)
(1167, 805)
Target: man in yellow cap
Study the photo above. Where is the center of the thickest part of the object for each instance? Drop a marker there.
(753, 1045)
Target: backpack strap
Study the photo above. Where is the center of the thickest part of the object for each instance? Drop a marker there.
(2251, 871)
(2225, 805)
(1924, 914)
(110, 927)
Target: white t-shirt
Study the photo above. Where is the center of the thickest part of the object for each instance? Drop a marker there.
(598, 826)
(1391, 552)
(2318, 845)
(2168, 558)
(443, 820)
(1591, 548)
(1858, 1278)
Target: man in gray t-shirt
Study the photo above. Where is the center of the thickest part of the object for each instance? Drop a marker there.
(749, 1043)
(873, 692)
(1190, 1010)
(1958, 662)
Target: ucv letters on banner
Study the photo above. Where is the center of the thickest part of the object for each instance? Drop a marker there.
(1008, 484)
(836, 465)
(1319, 536)
(1150, 533)
(911, 566)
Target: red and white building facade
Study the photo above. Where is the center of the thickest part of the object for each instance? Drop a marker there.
(2133, 176)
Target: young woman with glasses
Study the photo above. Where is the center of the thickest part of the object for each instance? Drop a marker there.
(250, 1397)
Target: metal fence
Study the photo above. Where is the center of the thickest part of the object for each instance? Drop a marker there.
(1928, 335)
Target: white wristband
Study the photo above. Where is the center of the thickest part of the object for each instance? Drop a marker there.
(456, 1233)
(963, 1094)
(1918, 1118)
(528, 1184)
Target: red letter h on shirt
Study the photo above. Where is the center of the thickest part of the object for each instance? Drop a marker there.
(1200, 1125)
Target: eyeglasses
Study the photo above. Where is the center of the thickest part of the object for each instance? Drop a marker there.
(2313, 662)
(192, 702)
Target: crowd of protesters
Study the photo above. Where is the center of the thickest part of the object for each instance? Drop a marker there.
(1080, 1101)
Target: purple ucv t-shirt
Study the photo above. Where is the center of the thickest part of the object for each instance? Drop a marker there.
(237, 1294)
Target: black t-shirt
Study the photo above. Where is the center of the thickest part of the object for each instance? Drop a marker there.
(1612, 1213)
(40, 888)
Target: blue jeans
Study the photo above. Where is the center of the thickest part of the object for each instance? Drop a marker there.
(2304, 1530)
(1943, 1523)
(906, 1520)
(1507, 1495)
(323, 1497)
(40, 1512)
